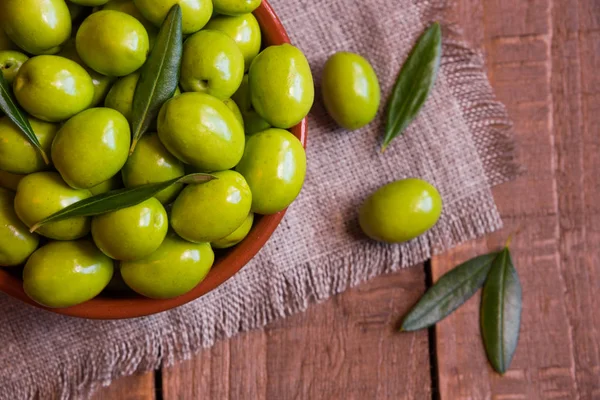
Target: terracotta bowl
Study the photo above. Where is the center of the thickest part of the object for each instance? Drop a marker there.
(227, 263)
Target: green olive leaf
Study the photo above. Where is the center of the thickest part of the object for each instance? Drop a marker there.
(13, 111)
(159, 76)
(416, 78)
(118, 199)
(501, 312)
(452, 290)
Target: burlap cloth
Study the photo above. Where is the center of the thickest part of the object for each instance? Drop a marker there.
(460, 142)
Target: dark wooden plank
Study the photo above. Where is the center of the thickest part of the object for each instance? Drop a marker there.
(135, 387)
(345, 348)
(543, 58)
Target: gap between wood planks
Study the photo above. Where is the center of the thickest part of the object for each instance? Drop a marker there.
(158, 384)
(431, 336)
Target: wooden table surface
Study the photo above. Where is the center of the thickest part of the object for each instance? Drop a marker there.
(543, 58)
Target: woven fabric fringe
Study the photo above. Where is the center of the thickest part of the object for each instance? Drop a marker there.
(489, 122)
(47, 356)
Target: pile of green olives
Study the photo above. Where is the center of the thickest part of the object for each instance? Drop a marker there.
(73, 67)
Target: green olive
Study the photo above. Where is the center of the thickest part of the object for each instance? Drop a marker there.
(236, 236)
(90, 3)
(400, 211)
(6, 43)
(112, 43)
(253, 122)
(194, 13)
(120, 95)
(128, 7)
(16, 242)
(212, 210)
(244, 30)
(10, 63)
(10, 181)
(36, 26)
(281, 85)
(235, 7)
(152, 163)
(131, 233)
(350, 90)
(40, 195)
(86, 160)
(17, 154)
(64, 274)
(242, 96)
(53, 88)
(201, 130)
(274, 165)
(172, 270)
(212, 63)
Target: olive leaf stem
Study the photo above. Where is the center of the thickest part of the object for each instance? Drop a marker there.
(508, 241)
(512, 235)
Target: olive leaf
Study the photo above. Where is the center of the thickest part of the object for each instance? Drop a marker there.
(452, 290)
(159, 76)
(13, 111)
(118, 199)
(501, 312)
(416, 78)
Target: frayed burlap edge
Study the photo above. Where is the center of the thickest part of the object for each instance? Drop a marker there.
(318, 279)
(493, 134)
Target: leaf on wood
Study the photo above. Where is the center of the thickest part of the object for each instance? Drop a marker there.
(501, 312)
(452, 290)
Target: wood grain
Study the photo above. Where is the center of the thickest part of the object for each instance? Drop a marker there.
(231, 369)
(135, 387)
(542, 57)
(344, 348)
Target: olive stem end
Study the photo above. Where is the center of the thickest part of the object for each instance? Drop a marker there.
(34, 228)
(133, 145)
(44, 157)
